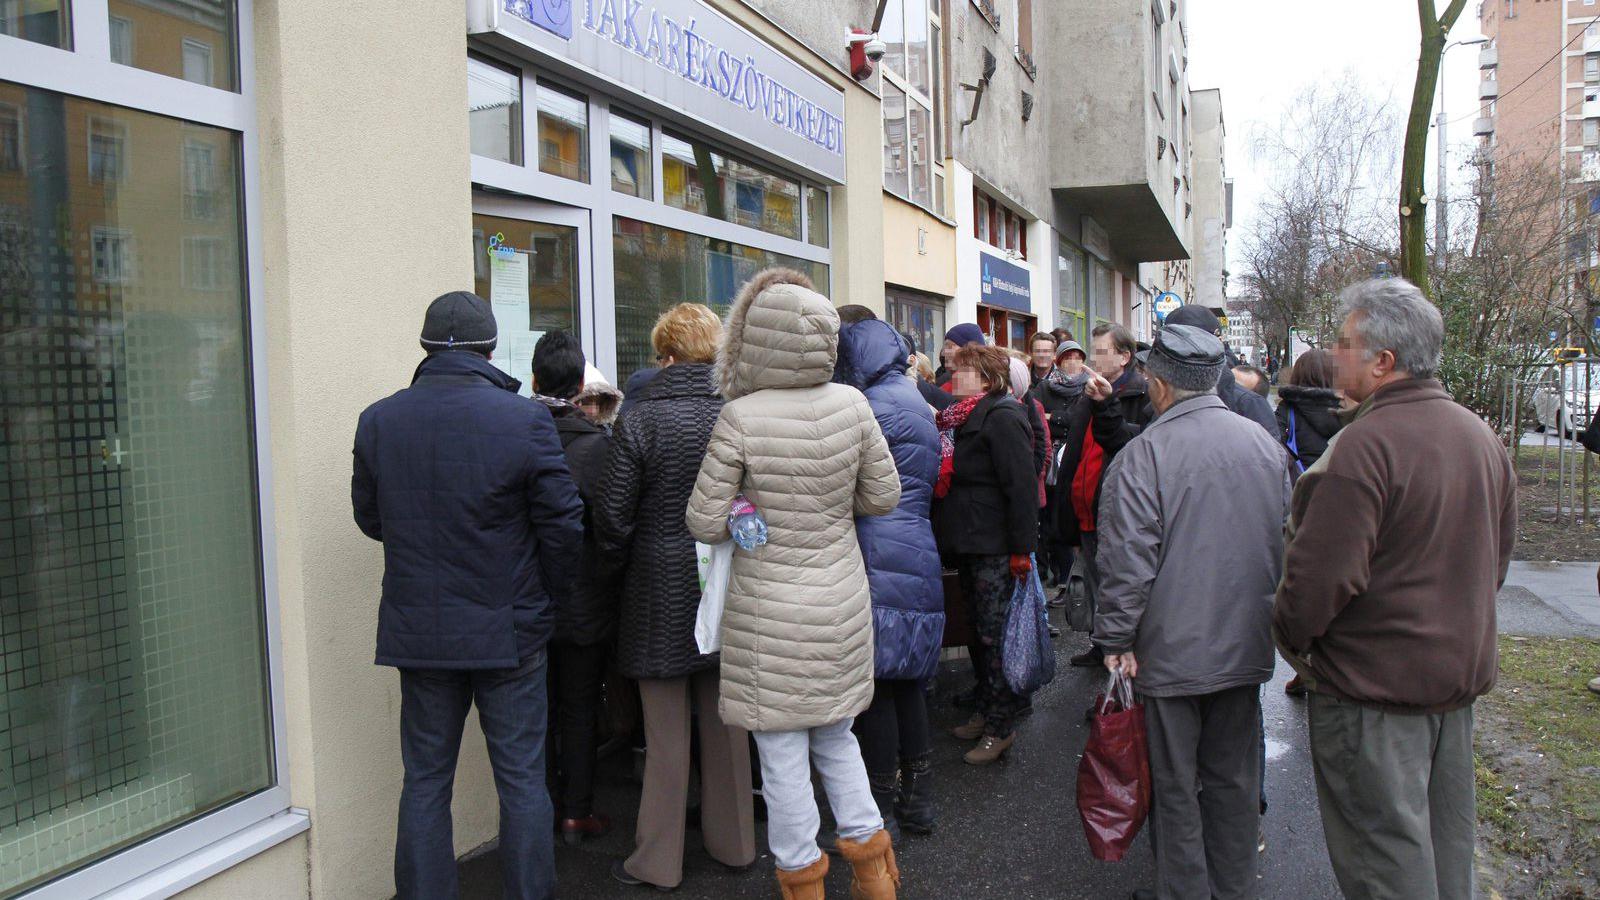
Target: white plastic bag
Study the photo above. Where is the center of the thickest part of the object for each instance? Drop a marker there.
(716, 564)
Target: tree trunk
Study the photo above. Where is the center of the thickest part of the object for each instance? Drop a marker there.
(1413, 215)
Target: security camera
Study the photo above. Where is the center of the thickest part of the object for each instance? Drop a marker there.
(876, 48)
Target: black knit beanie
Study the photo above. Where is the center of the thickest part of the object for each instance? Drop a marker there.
(459, 320)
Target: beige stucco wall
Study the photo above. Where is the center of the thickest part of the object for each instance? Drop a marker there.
(365, 217)
(278, 874)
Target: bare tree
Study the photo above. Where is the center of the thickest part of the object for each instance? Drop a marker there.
(1413, 224)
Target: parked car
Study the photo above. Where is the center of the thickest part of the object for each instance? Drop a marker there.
(1567, 396)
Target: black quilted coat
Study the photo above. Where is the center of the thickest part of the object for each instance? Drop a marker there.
(651, 468)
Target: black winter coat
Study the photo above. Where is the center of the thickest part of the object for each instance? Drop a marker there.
(655, 457)
(1115, 421)
(937, 397)
(465, 484)
(1316, 420)
(589, 613)
(1057, 398)
(992, 507)
(1249, 404)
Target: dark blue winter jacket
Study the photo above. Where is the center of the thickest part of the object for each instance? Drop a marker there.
(902, 561)
(466, 485)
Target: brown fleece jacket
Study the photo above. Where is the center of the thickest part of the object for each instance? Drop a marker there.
(1399, 540)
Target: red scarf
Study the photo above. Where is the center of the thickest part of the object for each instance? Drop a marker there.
(949, 419)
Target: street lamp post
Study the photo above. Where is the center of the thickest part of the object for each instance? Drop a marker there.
(1441, 217)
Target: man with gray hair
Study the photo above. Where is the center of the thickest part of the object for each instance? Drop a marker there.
(1185, 610)
(1399, 539)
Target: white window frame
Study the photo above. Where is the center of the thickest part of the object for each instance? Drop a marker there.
(924, 100)
(132, 39)
(190, 253)
(211, 66)
(126, 259)
(170, 861)
(22, 139)
(602, 205)
(101, 126)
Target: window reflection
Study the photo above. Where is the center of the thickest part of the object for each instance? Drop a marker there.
(658, 267)
(706, 181)
(494, 111)
(41, 21)
(817, 215)
(630, 156)
(195, 40)
(563, 133)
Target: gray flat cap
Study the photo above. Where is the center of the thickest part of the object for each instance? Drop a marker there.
(1187, 345)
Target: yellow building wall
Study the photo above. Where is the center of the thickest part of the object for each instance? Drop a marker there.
(925, 262)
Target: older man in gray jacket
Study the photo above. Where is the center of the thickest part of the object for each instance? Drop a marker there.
(1186, 609)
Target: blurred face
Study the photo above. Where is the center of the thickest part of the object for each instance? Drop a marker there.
(1071, 364)
(1356, 371)
(947, 352)
(591, 408)
(1044, 355)
(967, 382)
(1108, 362)
(1246, 379)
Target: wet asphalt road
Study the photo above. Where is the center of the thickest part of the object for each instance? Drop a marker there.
(1009, 831)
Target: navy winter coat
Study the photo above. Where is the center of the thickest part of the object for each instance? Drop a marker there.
(902, 560)
(465, 484)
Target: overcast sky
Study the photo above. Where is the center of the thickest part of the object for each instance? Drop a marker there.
(1261, 53)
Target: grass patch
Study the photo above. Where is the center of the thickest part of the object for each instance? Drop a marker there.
(1540, 536)
(1538, 769)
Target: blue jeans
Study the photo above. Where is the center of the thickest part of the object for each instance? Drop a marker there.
(512, 712)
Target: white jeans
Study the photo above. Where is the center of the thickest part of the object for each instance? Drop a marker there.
(792, 817)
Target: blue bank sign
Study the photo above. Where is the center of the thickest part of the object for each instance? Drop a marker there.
(692, 61)
(1004, 284)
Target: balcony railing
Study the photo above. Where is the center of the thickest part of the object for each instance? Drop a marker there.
(1488, 89)
(1482, 126)
(1488, 57)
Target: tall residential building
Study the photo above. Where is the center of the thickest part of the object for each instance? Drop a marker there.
(1213, 200)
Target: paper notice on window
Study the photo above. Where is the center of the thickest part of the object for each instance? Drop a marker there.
(508, 279)
(519, 356)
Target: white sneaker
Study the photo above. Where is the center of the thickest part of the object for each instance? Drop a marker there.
(1594, 685)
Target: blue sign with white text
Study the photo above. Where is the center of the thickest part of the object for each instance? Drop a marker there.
(554, 16)
(1004, 284)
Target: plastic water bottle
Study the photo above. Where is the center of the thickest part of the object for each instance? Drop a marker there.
(745, 523)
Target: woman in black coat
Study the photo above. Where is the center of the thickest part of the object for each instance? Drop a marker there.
(655, 457)
(1308, 408)
(989, 521)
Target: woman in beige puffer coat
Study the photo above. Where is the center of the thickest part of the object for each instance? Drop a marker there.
(797, 629)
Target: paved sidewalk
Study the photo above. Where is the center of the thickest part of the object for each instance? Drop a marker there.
(1557, 599)
(1010, 831)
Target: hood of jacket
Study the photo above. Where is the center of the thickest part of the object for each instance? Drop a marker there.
(607, 398)
(569, 418)
(465, 362)
(1309, 398)
(780, 334)
(870, 351)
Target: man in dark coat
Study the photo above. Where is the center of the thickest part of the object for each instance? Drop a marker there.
(1114, 408)
(465, 484)
(1245, 402)
(586, 619)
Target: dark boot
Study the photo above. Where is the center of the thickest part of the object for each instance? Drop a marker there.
(883, 793)
(914, 806)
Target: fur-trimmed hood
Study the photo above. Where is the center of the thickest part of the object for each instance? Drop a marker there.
(781, 334)
(606, 397)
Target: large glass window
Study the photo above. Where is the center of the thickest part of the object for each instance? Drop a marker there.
(494, 111)
(1071, 310)
(552, 268)
(133, 677)
(1104, 305)
(630, 156)
(912, 94)
(41, 21)
(563, 132)
(919, 315)
(716, 184)
(658, 267)
(195, 40)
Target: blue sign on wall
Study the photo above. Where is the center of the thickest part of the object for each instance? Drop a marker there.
(1004, 284)
(554, 16)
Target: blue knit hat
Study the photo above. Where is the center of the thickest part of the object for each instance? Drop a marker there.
(964, 334)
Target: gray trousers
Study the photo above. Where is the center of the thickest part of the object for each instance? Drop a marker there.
(1205, 775)
(1398, 805)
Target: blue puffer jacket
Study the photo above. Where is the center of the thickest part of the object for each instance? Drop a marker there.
(902, 560)
(466, 485)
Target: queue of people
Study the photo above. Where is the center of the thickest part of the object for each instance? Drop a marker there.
(536, 548)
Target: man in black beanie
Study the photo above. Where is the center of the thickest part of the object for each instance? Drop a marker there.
(1247, 403)
(466, 485)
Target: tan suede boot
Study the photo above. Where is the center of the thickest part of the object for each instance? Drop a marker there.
(875, 875)
(804, 884)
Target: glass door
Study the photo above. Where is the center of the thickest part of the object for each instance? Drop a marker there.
(531, 261)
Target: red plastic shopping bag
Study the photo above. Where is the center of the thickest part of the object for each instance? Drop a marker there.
(1114, 773)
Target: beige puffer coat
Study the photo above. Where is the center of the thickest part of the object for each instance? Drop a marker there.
(797, 630)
